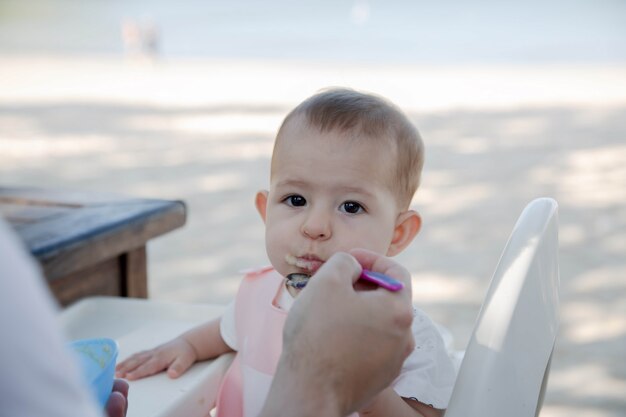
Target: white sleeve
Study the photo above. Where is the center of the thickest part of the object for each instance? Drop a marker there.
(428, 374)
(38, 378)
(227, 326)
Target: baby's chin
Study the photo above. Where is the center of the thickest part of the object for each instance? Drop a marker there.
(284, 270)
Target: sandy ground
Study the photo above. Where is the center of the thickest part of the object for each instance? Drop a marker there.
(496, 138)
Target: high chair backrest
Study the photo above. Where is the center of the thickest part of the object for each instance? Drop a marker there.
(507, 361)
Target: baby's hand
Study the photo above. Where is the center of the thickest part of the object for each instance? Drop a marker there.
(176, 356)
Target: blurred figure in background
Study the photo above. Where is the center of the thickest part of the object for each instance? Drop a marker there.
(141, 39)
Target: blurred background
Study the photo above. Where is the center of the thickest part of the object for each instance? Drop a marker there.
(181, 100)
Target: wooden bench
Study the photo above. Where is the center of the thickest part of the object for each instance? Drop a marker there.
(87, 243)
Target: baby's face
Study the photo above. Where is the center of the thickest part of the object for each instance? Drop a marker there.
(327, 194)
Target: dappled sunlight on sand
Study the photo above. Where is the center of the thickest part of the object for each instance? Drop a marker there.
(550, 410)
(593, 381)
(19, 150)
(495, 138)
(418, 87)
(585, 319)
(439, 288)
(218, 124)
(207, 183)
(454, 198)
(589, 323)
(597, 174)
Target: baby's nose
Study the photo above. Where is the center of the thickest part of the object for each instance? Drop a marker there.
(317, 227)
(314, 234)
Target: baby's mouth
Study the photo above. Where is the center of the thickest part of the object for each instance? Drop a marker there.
(309, 264)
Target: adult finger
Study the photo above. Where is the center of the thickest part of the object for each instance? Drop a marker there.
(121, 386)
(116, 405)
(341, 268)
(378, 263)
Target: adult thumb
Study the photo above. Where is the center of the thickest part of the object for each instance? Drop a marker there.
(342, 269)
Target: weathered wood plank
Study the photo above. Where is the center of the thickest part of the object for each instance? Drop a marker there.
(107, 244)
(78, 236)
(82, 229)
(19, 214)
(79, 226)
(56, 196)
(101, 279)
(135, 273)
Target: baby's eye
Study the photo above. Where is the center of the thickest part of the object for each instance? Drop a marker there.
(351, 207)
(295, 200)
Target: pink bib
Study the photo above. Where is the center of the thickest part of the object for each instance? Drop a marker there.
(259, 326)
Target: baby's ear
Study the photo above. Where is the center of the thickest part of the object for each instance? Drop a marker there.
(260, 201)
(408, 225)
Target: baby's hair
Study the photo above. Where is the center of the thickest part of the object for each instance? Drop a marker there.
(372, 117)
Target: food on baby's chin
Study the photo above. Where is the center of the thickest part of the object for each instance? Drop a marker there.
(307, 264)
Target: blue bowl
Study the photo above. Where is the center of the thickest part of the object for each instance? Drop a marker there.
(97, 359)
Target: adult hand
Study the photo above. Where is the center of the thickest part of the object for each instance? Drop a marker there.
(117, 405)
(342, 346)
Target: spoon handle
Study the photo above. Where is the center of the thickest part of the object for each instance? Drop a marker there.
(381, 280)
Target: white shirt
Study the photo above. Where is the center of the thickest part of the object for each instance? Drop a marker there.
(38, 377)
(427, 375)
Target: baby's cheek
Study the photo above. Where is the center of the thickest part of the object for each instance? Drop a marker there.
(276, 251)
(371, 239)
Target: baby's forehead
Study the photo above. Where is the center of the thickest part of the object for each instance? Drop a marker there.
(340, 172)
(299, 128)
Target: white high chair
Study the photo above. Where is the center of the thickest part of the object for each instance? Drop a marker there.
(503, 373)
(506, 364)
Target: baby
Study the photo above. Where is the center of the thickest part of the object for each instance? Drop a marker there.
(344, 170)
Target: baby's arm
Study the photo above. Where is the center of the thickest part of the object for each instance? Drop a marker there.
(389, 403)
(177, 355)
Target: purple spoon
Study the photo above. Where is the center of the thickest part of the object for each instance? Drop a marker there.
(298, 280)
(381, 280)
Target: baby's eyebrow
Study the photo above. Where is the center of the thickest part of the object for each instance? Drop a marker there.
(355, 190)
(292, 183)
(347, 189)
